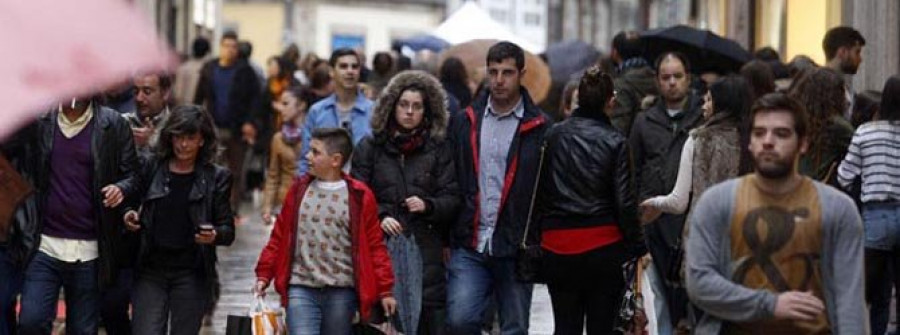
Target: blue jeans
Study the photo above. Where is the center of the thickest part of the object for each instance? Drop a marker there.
(314, 311)
(474, 280)
(10, 283)
(882, 227)
(44, 276)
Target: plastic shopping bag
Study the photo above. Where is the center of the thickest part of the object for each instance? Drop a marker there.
(266, 320)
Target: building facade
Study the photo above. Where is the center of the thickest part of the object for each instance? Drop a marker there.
(178, 22)
(322, 26)
(793, 27)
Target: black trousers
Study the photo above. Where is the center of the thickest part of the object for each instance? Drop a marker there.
(178, 297)
(586, 288)
(879, 278)
(116, 299)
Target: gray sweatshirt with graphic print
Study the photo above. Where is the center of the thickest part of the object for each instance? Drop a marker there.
(709, 264)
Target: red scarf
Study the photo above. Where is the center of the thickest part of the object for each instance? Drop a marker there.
(408, 141)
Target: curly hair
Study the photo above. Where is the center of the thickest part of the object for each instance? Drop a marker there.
(821, 92)
(189, 119)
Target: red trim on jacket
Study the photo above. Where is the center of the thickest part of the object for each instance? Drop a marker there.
(374, 277)
(511, 170)
(473, 141)
(579, 240)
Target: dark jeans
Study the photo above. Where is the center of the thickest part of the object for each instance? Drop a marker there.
(433, 321)
(882, 225)
(474, 279)
(163, 295)
(879, 278)
(587, 286)
(10, 284)
(116, 299)
(44, 276)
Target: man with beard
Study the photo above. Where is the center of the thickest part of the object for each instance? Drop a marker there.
(775, 251)
(843, 53)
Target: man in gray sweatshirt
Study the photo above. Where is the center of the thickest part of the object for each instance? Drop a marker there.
(775, 252)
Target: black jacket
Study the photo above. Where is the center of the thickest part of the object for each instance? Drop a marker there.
(586, 180)
(426, 172)
(20, 150)
(242, 99)
(208, 204)
(115, 160)
(521, 170)
(656, 141)
(393, 177)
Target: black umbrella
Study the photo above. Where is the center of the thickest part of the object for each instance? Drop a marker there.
(705, 50)
(568, 57)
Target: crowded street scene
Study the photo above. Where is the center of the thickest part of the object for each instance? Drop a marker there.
(458, 167)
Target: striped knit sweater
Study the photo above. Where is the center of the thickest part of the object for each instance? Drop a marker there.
(874, 154)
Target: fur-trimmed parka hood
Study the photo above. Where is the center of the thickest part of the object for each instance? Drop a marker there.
(435, 97)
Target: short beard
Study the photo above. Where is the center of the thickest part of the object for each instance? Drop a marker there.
(848, 68)
(778, 171)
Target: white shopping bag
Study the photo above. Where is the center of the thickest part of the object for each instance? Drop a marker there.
(266, 320)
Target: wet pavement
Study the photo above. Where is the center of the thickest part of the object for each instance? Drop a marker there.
(236, 265)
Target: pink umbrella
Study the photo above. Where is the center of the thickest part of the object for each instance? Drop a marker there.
(55, 50)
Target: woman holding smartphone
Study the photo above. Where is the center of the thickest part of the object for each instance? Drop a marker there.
(184, 213)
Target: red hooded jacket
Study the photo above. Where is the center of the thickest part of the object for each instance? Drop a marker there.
(371, 262)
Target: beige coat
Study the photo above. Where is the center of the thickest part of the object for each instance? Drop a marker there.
(282, 169)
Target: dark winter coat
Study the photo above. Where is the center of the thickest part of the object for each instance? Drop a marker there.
(428, 173)
(242, 100)
(521, 174)
(656, 141)
(632, 85)
(115, 161)
(586, 179)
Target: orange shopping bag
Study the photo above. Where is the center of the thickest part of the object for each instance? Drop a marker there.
(266, 320)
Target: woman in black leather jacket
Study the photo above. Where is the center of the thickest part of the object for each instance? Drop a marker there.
(408, 164)
(184, 214)
(587, 212)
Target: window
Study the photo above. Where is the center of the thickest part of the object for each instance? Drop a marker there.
(532, 19)
(498, 15)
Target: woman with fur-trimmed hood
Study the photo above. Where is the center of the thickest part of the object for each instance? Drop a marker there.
(408, 164)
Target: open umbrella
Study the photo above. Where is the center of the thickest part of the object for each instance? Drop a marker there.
(474, 55)
(75, 48)
(705, 50)
(569, 57)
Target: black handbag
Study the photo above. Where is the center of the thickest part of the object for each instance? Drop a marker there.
(530, 256)
(239, 325)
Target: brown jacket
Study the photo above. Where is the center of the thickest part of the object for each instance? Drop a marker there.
(282, 168)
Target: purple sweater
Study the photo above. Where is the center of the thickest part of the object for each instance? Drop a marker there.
(69, 210)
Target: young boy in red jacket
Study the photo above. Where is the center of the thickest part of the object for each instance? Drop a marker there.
(326, 253)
